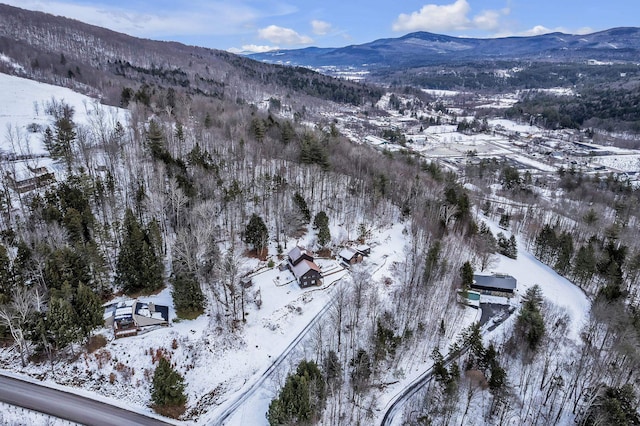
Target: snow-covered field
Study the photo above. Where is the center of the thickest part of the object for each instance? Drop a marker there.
(513, 126)
(25, 106)
(623, 163)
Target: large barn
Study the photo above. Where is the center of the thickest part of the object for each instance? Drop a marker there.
(499, 284)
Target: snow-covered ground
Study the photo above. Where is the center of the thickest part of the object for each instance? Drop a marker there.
(513, 126)
(442, 93)
(529, 271)
(387, 248)
(17, 416)
(624, 163)
(218, 367)
(26, 107)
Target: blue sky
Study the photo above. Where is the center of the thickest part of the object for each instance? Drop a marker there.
(258, 25)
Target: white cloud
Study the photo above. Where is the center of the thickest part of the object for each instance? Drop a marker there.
(450, 17)
(252, 48)
(281, 35)
(488, 20)
(320, 27)
(541, 29)
(432, 17)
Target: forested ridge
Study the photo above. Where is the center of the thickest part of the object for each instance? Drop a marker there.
(101, 62)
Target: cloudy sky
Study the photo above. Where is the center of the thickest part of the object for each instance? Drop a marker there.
(258, 25)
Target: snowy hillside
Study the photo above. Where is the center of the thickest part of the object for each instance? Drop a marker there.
(23, 113)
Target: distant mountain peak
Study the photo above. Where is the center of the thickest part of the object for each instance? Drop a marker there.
(422, 48)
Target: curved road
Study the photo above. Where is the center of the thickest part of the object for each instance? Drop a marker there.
(403, 396)
(68, 406)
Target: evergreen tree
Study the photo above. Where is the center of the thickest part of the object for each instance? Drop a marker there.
(507, 247)
(584, 265)
(168, 387)
(66, 266)
(546, 243)
(258, 129)
(472, 338)
(530, 323)
(513, 247)
(6, 276)
(321, 224)
(139, 266)
(287, 133)
(564, 244)
(59, 141)
(88, 308)
(156, 141)
(301, 203)
(332, 369)
(431, 262)
(256, 233)
(466, 274)
(361, 371)
(65, 136)
(302, 398)
(62, 323)
(613, 406)
(320, 219)
(187, 295)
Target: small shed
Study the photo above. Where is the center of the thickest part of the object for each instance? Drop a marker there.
(246, 282)
(350, 256)
(363, 249)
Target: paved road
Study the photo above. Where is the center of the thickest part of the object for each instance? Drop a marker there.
(401, 398)
(68, 406)
(499, 312)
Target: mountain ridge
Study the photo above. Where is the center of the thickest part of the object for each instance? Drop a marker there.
(425, 48)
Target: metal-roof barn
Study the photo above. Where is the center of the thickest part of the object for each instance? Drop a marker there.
(495, 282)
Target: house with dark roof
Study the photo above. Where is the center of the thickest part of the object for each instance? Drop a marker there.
(129, 317)
(498, 284)
(298, 254)
(304, 268)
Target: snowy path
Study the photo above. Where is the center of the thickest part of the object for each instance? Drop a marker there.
(229, 413)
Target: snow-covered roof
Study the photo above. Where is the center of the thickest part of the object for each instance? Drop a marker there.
(347, 253)
(124, 312)
(374, 140)
(151, 310)
(298, 252)
(303, 267)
